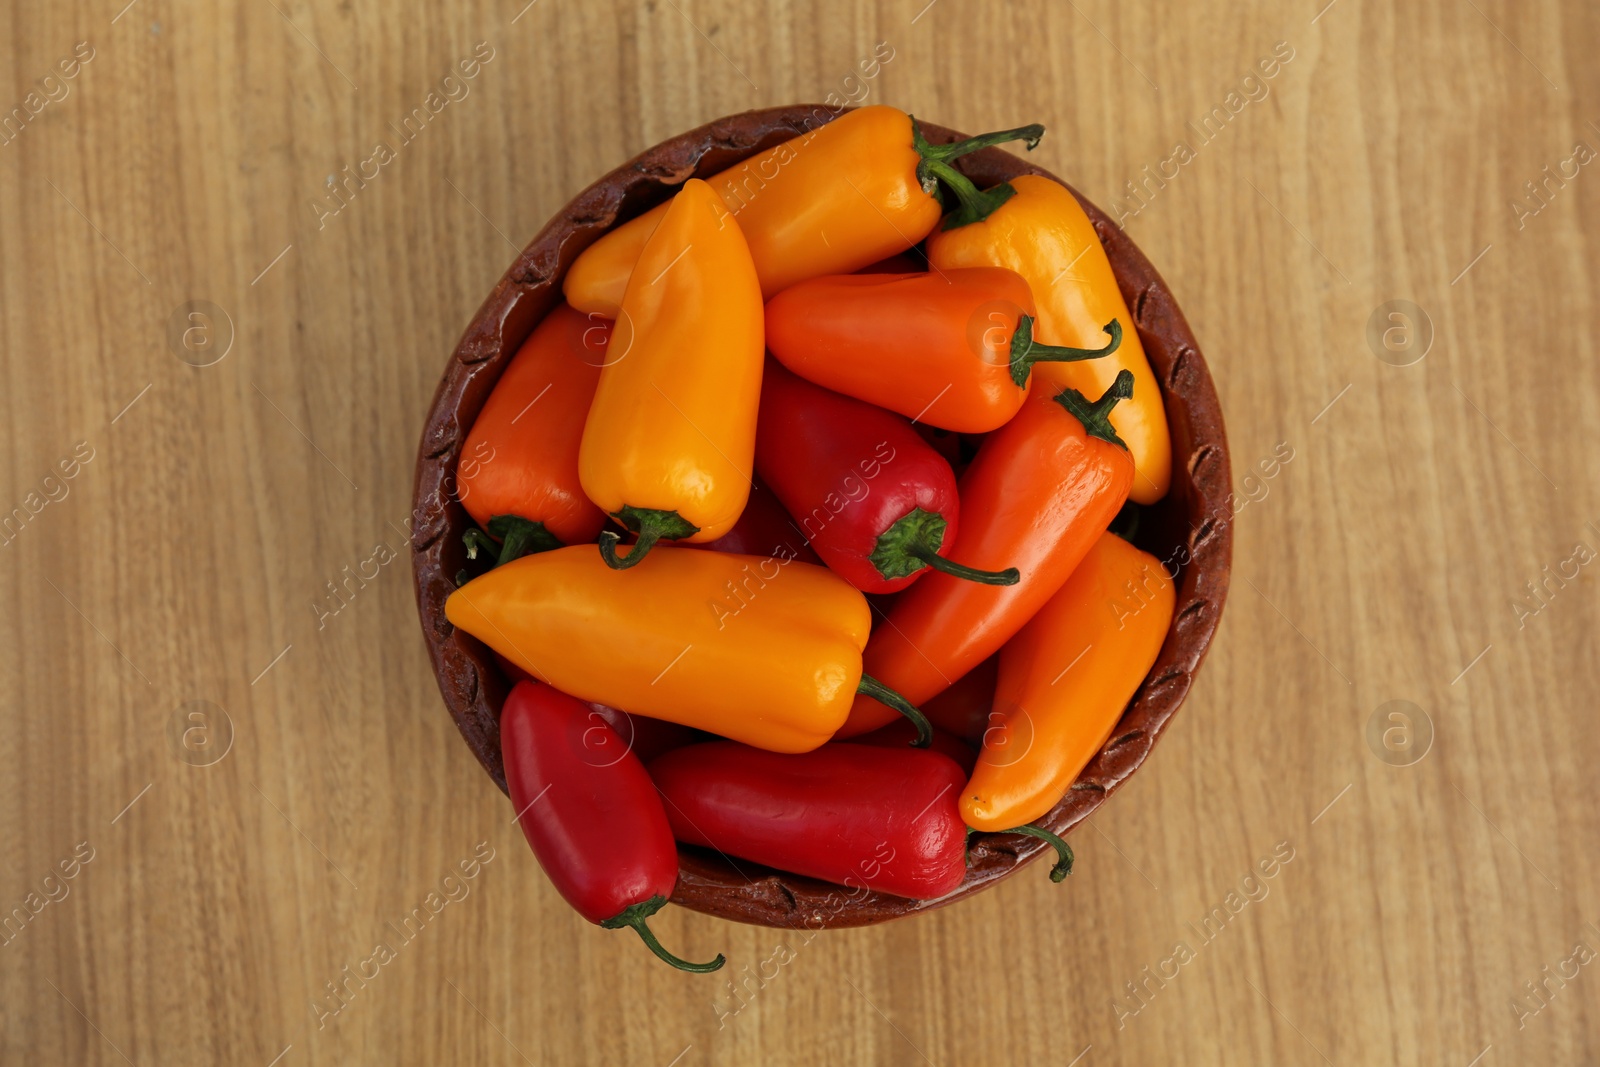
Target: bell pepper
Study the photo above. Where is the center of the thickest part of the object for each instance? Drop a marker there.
(520, 459)
(857, 815)
(830, 201)
(1065, 680)
(595, 823)
(734, 645)
(667, 447)
(953, 348)
(1038, 494)
(765, 529)
(874, 499)
(1037, 228)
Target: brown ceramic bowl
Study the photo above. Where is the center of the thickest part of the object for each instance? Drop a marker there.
(1192, 527)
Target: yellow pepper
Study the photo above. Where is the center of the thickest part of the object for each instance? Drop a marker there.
(829, 201)
(670, 440)
(1039, 230)
(756, 649)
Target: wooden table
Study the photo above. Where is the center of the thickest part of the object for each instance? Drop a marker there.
(220, 720)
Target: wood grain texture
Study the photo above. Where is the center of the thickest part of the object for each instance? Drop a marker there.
(189, 558)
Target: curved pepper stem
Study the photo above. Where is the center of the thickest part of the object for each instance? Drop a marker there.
(651, 525)
(478, 541)
(1025, 352)
(1030, 134)
(1096, 415)
(913, 542)
(1009, 576)
(976, 204)
(519, 537)
(870, 686)
(635, 916)
(935, 168)
(1063, 865)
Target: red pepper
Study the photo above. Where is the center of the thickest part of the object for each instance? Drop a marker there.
(594, 820)
(875, 500)
(858, 815)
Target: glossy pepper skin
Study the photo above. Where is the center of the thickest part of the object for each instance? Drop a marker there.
(875, 500)
(830, 201)
(729, 644)
(1041, 231)
(1065, 680)
(857, 815)
(521, 455)
(1038, 494)
(667, 446)
(592, 817)
(952, 348)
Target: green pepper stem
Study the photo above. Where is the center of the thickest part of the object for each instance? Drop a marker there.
(1009, 576)
(935, 168)
(635, 915)
(946, 152)
(651, 524)
(1025, 351)
(520, 537)
(608, 549)
(1063, 865)
(1096, 415)
(912, 542)
(476, 540)
(976, 205)
(870, 686)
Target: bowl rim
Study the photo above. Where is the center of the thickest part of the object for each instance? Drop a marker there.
(474, 687)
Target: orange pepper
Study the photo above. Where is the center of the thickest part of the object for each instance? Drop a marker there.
(1065, 680)
(520, 459)
(748, 647)
(1039, 230)
(1039, 492)
(830, 201)
(670, 440)
(950, 348)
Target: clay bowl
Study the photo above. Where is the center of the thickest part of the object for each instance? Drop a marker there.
(1192, 528)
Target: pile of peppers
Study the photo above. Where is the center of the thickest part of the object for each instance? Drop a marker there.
(788, 467)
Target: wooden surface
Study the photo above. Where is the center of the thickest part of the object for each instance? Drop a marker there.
(188, 557)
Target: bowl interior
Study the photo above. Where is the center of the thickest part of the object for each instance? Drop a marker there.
(1191, 529)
